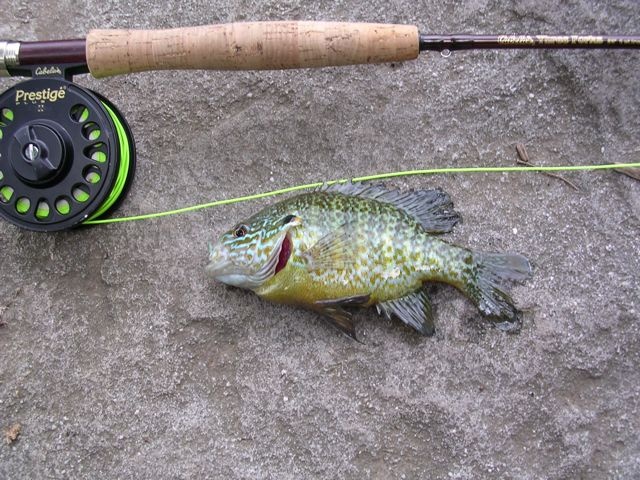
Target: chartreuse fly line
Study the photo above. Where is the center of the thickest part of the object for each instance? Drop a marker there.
(123, 166)
(380, 176)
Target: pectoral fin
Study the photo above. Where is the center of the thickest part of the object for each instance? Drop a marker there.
(334, 312)
(334, 251)
(413, 309)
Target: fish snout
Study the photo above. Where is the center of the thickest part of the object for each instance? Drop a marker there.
(219, 263)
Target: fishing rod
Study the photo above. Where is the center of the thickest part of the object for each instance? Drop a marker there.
(67, 155)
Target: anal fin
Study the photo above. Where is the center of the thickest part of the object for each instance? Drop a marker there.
(413, 309)
(334, 312)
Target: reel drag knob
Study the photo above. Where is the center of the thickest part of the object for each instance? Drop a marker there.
(37, 153)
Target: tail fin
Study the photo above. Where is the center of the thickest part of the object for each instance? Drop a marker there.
(495, 272)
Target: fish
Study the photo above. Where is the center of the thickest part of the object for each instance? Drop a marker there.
(357, 245)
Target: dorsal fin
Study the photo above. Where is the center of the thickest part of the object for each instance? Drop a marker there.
(432, 208)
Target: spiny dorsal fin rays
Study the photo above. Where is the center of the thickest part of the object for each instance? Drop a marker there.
(413, 309)
(432, 208)
(335, 251)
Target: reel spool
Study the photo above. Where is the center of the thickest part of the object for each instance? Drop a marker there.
(66, 155)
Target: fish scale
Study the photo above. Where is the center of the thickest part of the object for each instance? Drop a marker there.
(357, 245)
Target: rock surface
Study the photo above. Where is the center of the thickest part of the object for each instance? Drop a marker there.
(120, 359)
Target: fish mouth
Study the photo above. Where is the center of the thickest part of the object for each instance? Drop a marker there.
(222, 268)
(217, 268)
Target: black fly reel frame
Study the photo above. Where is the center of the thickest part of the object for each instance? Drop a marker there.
(67, 154)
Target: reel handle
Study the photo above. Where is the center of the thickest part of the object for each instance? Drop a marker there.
(249, 46)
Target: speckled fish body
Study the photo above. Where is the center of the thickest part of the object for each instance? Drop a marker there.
(357, 245)
(382, 251)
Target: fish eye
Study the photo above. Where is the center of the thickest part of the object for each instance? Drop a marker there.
(240, 231)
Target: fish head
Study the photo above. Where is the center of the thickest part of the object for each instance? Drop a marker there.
(252, 252)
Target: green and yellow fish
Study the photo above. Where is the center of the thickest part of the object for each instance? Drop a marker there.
(356, 245)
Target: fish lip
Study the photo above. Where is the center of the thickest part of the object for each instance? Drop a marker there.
(215, 269)
(219, 263)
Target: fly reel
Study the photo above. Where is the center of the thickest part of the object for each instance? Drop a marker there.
(66, 155)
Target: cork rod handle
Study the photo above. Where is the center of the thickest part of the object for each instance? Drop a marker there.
(249, 46)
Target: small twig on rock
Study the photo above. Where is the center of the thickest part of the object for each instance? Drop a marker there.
(524, 160)
(629, 172)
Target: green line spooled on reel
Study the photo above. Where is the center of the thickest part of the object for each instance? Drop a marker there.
(66, 153)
